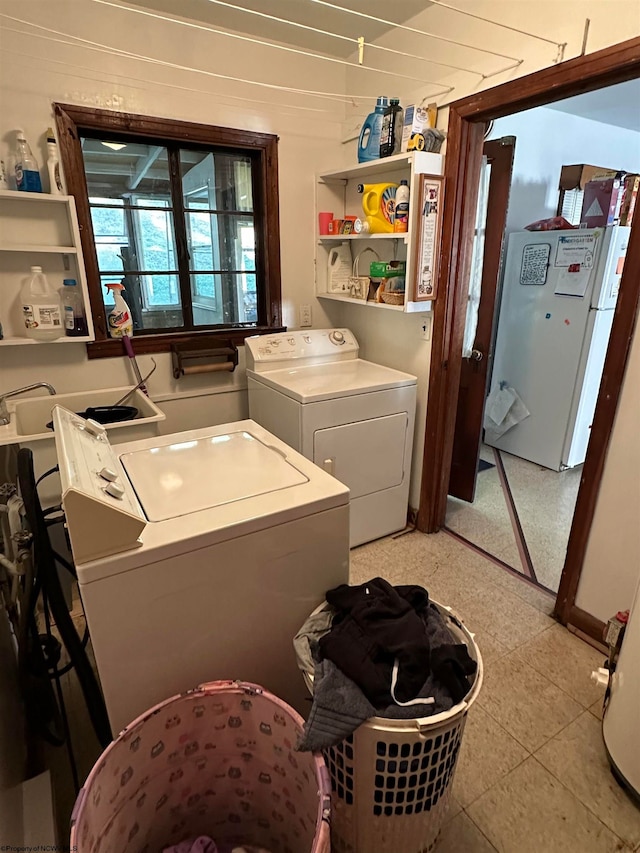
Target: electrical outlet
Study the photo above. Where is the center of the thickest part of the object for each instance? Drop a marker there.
(305, 316)
(425, 328)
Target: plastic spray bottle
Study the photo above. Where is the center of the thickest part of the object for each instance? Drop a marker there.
(53, 165)
(119, 318)
(26, 168)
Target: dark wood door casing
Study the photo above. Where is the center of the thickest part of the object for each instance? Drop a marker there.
(467, 120)
(473, 374)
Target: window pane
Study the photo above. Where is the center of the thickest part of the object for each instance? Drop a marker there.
(216, 181)
(224, 298)
(220, 242)
(154, 300)
(115, 170)
(146, 241)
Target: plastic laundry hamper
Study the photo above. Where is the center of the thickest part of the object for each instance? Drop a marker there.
(216, 761)
(392, 779)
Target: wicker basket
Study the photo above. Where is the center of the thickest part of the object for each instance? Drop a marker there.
(359, 284)
(390, 297)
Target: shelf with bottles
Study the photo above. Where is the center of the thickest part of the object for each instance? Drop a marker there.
(38, 229)
(337, 192)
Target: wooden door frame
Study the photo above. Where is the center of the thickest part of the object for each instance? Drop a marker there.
(468, 119)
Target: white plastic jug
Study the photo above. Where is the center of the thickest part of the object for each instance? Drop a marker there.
(41, 308)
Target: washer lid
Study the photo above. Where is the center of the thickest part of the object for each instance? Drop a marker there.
(317, 382)
(183, 477)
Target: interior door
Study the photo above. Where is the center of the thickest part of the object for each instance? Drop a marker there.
(473, 376)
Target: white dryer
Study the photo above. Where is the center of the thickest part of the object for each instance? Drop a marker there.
(353, 418)
(199, 556)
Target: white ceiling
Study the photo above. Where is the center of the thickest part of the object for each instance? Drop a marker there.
(301, 11)
(617, 106)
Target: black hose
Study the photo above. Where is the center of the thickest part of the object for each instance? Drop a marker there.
(47, 571)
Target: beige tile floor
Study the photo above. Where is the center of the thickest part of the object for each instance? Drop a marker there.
(545, 501)
(532, 773)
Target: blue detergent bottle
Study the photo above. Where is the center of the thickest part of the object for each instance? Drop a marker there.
(369, 141)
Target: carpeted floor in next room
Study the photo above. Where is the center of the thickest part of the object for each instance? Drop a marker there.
(532, 776)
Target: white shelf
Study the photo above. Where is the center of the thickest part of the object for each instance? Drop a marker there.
(337, 191)
(53, 250)
(421, 162)
(40, 197)
(50, 224)
(14, 341)
(337, 298)
(334, 238)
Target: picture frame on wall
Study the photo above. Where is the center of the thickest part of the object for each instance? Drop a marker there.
(427, 259)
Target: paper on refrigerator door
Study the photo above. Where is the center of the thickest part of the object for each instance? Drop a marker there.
(572, 282)
(503, 411)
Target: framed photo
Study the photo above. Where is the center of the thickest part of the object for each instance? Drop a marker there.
(427, 257)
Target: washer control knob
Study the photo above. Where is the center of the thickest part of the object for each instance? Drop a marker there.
(336, 337)
(115, 490)
(93, 427)
(108, 474)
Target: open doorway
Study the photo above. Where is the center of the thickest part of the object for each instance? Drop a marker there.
(468, 122)
(537, 330)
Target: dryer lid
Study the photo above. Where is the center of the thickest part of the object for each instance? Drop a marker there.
(183, 477)
(317, 382)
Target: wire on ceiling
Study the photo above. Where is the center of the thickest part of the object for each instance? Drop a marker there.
(497, 23)
(357, 42)
(114, 51)
(252, 40)
(415, 30)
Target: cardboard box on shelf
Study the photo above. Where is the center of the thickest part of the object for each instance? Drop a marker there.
(629, 197)
(576, 176)
(601, 202)
(417, 119)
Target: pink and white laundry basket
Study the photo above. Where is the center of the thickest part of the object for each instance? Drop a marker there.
(218, 761)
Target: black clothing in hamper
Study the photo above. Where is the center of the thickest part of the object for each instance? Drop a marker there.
(375, 625)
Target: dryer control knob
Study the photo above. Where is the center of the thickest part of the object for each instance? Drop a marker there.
(115, 490)
(336, 338)
(108, 474)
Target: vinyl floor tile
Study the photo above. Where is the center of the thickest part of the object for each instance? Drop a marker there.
(565, 660)
(461, 835)
(578, 758)
(530, 811)
(525, 703)
(487, 754)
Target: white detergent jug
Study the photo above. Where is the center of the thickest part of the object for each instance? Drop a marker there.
(41, 308)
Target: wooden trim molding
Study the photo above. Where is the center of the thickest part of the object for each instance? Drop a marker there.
(261, 147)
(467, 120)
(587, 624)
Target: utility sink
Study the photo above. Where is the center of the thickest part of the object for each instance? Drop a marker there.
(31, 416)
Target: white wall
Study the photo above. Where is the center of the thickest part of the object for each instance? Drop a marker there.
(87, 75)
(548, 139)
(396, 343)
(610, 573)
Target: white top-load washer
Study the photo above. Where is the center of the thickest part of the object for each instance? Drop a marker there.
(199, 556)
(351, 417)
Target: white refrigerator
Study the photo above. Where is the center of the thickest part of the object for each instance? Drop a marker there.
(558, 299)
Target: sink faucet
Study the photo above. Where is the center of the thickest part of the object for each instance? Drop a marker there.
(5, 417)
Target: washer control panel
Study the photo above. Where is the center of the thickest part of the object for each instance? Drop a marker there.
(310, 344)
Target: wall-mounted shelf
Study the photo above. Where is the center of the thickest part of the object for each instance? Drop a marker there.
(337, 191)
(25, 247)
(50, 222)
(338, 238)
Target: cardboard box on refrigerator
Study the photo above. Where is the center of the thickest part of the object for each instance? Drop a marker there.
(601, 202)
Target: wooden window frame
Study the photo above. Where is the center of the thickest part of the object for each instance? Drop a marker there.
(72, 121)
